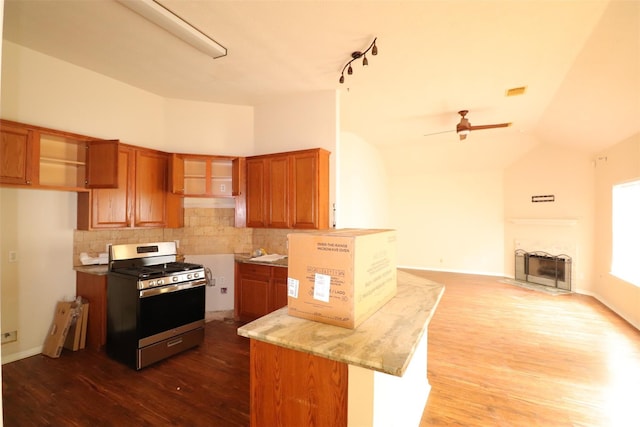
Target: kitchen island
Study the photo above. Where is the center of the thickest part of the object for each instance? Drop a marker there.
(309, 373)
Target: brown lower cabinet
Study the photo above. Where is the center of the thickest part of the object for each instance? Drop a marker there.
(93, 287)
(259, 290)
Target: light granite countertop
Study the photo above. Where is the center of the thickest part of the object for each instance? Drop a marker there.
(384, 342)
(246, 258)
(99, 270)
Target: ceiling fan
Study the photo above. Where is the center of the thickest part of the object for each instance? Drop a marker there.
(464, 127)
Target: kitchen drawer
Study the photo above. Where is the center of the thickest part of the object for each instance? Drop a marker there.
(280, 273)
(255, 269)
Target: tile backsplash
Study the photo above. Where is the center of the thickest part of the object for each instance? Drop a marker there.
(206, 231)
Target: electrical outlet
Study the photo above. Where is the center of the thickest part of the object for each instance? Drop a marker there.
(223, 290)
(9, 337)
(223, 188)
(13, 256)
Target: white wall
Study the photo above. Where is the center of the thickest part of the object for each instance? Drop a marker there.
(449, 221)
(618, 164)
(362, 196)
(306, 120)
(564, 226)
(222, 267)
(205, 128)
(41, 90)
(44, 248)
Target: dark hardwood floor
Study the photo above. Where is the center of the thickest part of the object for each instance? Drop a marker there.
(205, 386)
(498, 355)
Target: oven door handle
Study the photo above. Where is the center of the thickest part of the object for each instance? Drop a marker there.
(171, 288)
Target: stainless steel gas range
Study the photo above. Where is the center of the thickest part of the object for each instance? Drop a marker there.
(155, 305)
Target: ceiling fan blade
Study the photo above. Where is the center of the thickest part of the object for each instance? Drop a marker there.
(499, 125)
(438, 133)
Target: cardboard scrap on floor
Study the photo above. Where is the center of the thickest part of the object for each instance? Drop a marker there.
(76, 337)
(68, 328)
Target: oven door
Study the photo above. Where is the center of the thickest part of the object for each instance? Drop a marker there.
(170, 310)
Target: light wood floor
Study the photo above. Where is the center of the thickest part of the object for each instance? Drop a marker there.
(498, 355)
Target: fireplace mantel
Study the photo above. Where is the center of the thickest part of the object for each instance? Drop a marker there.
(544, 221)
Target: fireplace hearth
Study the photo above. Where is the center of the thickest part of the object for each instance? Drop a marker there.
(543, 268)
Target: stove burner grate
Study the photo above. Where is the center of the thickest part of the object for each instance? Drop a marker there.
(158, 270)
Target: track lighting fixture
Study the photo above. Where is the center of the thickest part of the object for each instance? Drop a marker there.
(356, 55)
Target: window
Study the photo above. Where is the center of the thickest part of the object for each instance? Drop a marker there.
(626, 232)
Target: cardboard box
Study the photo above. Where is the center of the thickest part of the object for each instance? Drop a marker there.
(59, 329)
(341, 277)
(76, 337)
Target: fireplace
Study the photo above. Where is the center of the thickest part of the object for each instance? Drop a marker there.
(544, 269)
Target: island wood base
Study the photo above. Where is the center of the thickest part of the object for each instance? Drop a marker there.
(291, 388)
(294, 388)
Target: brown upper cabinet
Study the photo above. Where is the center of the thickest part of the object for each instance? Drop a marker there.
(195, 175)
(46, 158)
(141, 198)
(288, 190)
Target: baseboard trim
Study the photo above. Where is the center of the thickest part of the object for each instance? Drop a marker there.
(610, 306)
(21, 355)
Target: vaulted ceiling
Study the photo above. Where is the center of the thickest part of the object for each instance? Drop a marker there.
(579, 61)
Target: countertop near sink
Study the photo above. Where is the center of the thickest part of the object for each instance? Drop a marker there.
(246, 258)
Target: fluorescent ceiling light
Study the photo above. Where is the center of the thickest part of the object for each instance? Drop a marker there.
(163, 17)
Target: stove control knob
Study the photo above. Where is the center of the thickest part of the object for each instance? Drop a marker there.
(160, 282)
(151, 283)
(189, 276)
(175, 278)
(196, 275)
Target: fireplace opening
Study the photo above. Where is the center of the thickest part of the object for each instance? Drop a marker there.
(543, 269)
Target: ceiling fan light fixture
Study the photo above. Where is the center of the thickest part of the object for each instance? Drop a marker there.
(464, 128)
(356, 55)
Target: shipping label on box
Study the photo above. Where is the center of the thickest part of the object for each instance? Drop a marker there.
(341, 277)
